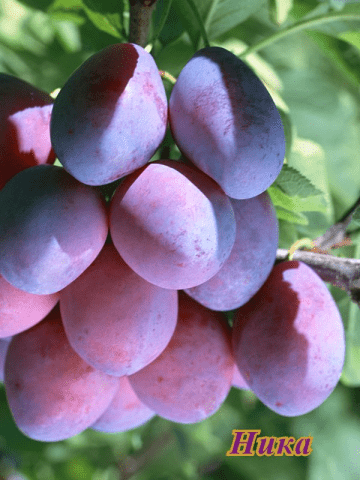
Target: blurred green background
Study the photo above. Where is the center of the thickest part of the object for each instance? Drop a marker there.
(308, 55)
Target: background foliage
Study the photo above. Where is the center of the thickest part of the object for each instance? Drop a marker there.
(308, 54)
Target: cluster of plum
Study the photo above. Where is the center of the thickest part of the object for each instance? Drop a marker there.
(106, 331)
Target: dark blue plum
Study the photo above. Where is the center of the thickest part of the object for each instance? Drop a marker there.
(52, 227)
(289, 341)
(110, 116)
(224, 121)
(25, 113)
(251, 259)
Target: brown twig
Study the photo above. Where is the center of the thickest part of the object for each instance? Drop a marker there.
(343, 273)
(140, 17)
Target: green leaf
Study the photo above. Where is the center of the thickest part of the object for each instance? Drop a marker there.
(68, 34)
(291, 217)
(222, 15)
(338, 21)
(332, 23)
(106, 15)
(294, 183)
(295, 203)
(173, 27)
(343, 55)
(351, 37)
(68, 10)
(218, 16)
(159, 18)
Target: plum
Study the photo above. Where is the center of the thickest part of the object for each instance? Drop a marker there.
(224, 120)
(172, 224)
(114, 319)
(125, 412)
(25, 113)
(191, 378)
(4, 345)
(289, 341)
(238, 380)
(110, 116)
(52, 393)
(52, 227)
(21, 310)
(251, 259)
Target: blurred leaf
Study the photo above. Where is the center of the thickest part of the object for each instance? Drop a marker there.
(351, 371)
(68, 34)
(279, 10)
(342, 55)
(106, 15)
(351, 37)
(173, 27)
(356, 217)
(38, 4)
(218, 16)
(289, 131)
(159, 19)
(287, 234)
(174, 56)
(67, 10)
(335, 22)
(336, 438)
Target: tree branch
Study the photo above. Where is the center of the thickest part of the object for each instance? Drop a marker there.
(340, 272)
(343, 273)
(140, 17)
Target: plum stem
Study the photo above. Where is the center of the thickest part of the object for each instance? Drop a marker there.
(140, 17)
(167, 76)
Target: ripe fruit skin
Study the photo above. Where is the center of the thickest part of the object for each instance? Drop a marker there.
(52, 393)
(224, 120)
(24, 127)
(110, 116)
(172, 224)
(238, 380)
(4, 345)
(114, 319)
(52, 227)
(191, 378)
(289, 341)
(251, 259)
(125, 412)
(20, 310)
